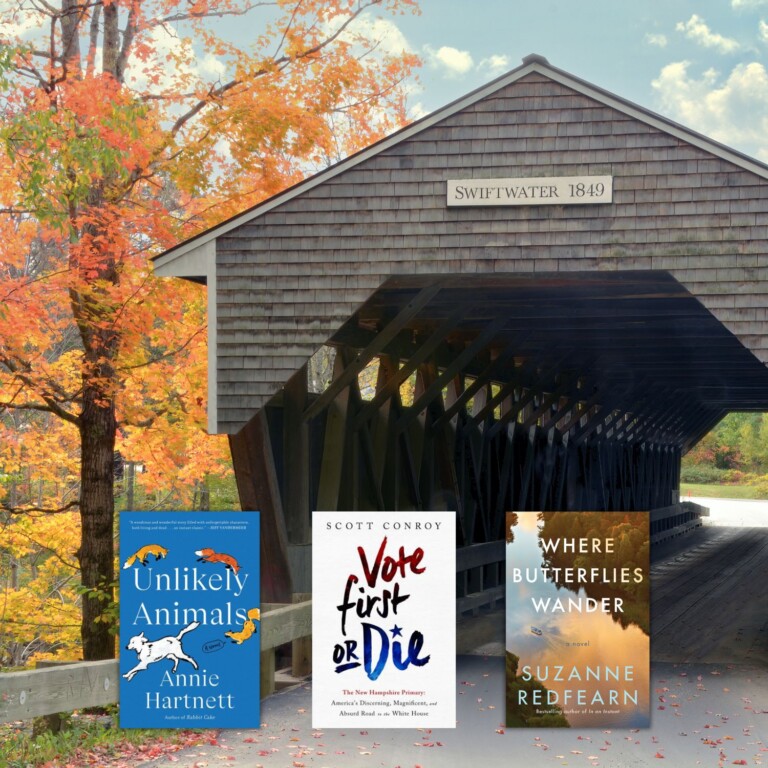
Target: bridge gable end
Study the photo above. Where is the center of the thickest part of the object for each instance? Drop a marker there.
(290, 273)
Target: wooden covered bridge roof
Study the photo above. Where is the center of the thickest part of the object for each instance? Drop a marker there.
(650, 308)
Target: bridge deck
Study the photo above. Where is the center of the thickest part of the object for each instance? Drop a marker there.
(710, 608)
(710, 600)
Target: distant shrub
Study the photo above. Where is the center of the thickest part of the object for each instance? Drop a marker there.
(761, 485)
(703, 474)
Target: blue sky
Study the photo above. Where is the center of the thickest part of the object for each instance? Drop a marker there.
(699, 62)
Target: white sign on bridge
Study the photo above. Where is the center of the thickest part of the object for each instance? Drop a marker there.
(554, 190)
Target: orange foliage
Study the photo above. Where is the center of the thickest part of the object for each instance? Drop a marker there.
(128, 126)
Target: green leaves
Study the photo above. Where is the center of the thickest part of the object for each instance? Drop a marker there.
(83, 140)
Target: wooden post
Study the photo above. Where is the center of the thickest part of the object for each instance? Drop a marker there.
(259, 491)
(53, 722)
(267, 685)
(296, 460)
(334, 445)
(301, 649)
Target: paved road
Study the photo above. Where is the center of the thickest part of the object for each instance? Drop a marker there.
(711, 715)
(734, 512)
(710, 600)
(709, 683)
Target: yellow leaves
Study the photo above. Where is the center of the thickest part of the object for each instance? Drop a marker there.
(174, 460)
(174, 450)
(45, 535)
(66, 370)
(38, 453)
(42, 604)
(100, 174)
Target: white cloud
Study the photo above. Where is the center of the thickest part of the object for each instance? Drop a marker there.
(452, 60)
(496, 64)
(385, 33)
(210, 65)
(697, 30)
(455, 63)
(23, 23)
(763, 30)
(731, 109)
(173, 63)
(747, 3)
(417, 111)
(164, 43)
(658, 40)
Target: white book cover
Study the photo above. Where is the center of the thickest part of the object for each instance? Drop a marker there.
(384, 619)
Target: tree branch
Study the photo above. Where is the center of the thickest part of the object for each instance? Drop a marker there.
(209, 14)
(49, 404)
(131, 28)
(33, 73)
(166, 355)
(40, 510)
(37, 623)
(45, 547)
(93, 42)
(279, 62)
(44, 407)
(43, 7)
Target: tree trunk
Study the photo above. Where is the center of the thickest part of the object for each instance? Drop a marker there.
(129, 481)
(97, 511)
(94, 315)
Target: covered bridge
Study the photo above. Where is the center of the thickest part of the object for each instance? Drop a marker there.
(579, 285)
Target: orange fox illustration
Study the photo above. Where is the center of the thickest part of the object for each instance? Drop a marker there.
(249, 627)
(142, 554)
(209, 556)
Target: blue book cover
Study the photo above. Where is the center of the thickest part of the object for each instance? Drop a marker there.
(189, 620)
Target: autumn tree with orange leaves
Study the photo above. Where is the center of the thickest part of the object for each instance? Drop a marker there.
(126, 126)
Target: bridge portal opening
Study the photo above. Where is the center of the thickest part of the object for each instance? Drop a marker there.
(500, 392)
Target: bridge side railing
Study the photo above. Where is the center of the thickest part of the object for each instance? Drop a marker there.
(676, 520)
(480, 574)
(68, 686)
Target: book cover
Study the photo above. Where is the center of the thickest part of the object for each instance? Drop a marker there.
(577, 619)
(189, 620)
(384, 619)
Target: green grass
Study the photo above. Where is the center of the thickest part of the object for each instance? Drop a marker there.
(85, 735)
(714, 491)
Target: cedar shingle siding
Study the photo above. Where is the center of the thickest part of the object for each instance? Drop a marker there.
(287, 279)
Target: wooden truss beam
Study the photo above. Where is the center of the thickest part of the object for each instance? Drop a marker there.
(436, 338)
(377, 345)
(484, 378)
(549, 400)
(441, 380)
(549, 375)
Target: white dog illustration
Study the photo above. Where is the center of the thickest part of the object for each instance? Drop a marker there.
(150, 651)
